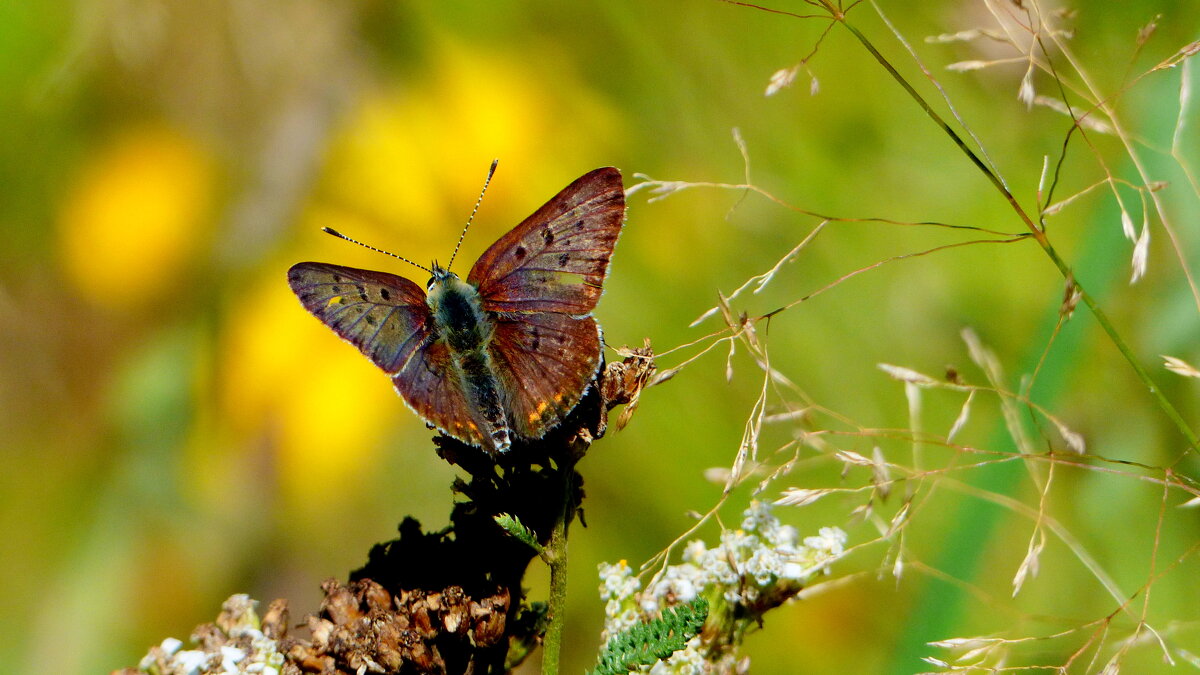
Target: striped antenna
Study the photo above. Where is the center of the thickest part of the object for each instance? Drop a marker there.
(479, 201)
(339, 235)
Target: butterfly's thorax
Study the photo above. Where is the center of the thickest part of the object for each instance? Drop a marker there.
(458, 313)
(460, 320)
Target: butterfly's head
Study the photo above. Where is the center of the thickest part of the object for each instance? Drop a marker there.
(440, 275)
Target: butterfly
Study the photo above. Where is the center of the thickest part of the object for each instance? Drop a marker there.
(504, 354)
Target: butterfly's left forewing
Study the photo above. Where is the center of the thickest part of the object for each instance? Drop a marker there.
(384, 315)
(556, 260)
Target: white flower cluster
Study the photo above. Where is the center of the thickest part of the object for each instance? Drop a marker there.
(762, 559)
(261, 658)
(690, 661)
(617, 590)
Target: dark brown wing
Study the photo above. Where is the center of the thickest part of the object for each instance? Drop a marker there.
(384, 315)
(544, 361)
(431, 388)
(556, 259)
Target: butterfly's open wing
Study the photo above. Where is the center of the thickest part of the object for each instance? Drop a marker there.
(386, 317)
(545, 360)
(430, 387)
(556, 259)
(538, 283)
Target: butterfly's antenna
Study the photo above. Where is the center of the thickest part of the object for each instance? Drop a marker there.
(472, 217)
(339, 235)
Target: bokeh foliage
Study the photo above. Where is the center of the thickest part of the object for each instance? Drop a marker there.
(175, 428)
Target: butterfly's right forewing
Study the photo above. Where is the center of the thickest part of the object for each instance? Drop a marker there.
(384, 315)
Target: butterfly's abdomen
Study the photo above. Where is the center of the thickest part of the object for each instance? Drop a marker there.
(483, 391)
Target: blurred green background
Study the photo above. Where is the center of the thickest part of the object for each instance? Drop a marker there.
(175, 428)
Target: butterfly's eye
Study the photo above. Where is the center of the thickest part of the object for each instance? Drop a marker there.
(429, 284)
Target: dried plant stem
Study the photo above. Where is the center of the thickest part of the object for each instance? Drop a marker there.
(556, 555)
(1035, 231)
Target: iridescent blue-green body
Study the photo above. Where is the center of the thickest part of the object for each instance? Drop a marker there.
(460, 320)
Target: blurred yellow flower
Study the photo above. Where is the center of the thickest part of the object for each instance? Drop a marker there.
(136, 214)
(288, 378)
(413, 159)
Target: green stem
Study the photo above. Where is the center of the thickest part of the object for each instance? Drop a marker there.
(1038, 235)
(556, 552)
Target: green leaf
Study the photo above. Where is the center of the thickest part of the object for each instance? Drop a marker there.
(516, 528)
(654, 640)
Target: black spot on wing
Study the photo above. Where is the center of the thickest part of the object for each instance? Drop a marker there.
(383, 293)
(548, 236)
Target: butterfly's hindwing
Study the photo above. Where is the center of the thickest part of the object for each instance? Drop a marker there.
(556, 259)
(431, 387)
(544, 361)
(384, 315)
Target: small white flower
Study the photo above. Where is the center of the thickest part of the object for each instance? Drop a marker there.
(829, 540)
(649, 605)
(190, 661)
(784, 536)
(230, 658)
(617, 581)
(612, 608)
(764, 566)
(758, 517)
(694, 551)
(685, 590)
(794, 571)
(171, 645)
